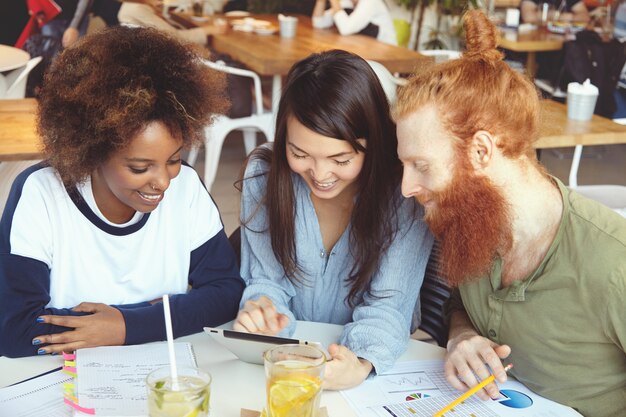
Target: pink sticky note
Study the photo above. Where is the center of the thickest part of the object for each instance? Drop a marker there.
(79, 408)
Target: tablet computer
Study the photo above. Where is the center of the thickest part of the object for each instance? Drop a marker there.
(250, 347)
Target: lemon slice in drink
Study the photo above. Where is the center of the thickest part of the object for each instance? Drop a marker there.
(293, 392)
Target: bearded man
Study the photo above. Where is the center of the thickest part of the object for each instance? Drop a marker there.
(539, 271)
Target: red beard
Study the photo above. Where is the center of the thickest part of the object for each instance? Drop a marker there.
(472, 221)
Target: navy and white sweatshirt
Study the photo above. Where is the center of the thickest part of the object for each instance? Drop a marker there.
(58, 250)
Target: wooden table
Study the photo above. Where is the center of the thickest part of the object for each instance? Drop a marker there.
(12, 58)
(272, 55)
(557, 131)
(19, 139)
(539, 40)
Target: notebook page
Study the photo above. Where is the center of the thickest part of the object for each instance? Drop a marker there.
(111, 379)
(41, 396)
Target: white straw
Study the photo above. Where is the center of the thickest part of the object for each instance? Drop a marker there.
(170, 341)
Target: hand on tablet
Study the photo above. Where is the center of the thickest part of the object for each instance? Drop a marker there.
(344, 370)
(260, 316)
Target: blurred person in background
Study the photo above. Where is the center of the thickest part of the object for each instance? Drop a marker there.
(351, 17)
(558, 10)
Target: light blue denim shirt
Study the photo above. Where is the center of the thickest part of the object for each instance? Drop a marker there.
(377, 328)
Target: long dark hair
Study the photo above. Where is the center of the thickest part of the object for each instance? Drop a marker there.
(338, 95)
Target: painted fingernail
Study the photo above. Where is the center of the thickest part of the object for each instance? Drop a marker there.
(54, 353)
(39, 320)
(36, 342)
(41, 352)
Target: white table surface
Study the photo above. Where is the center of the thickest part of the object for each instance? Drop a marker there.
(235, 384)
(12, 58)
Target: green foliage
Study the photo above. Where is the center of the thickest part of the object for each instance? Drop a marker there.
(455, 7)
(264, 6)
(281, 6)
(409, 4)
(449, 8)
(445, 7)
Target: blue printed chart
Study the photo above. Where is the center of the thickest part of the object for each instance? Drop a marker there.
(419, 389)
(515, 399)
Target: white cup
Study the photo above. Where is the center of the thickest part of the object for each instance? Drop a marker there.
(512, 17)
(288, 26)
(580, 106)
(581, 100)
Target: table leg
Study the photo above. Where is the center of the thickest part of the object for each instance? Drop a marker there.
(276, 91)
(531, 64)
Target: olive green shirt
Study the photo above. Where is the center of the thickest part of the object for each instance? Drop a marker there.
(566, 321)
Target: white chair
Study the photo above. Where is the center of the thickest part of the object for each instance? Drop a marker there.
(215, 134)
(3, 86)
(389, 82)
(612, 196)
(15, 81)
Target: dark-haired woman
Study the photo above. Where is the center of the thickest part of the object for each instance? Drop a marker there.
(93, 237)
(326, 234)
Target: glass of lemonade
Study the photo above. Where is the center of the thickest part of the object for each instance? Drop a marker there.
(191, 399)
(293, 375)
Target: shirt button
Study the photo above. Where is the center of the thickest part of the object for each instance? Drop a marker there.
(492, 333)
(321, 253)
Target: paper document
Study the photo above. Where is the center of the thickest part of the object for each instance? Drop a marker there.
(40, 396)
(112, 379)
(419, 389)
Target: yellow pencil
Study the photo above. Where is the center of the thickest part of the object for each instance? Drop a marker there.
(469, 393)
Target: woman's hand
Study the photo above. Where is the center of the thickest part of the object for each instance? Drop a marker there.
(344, 370)
(260, 316)
(105, 326)
(467, 358)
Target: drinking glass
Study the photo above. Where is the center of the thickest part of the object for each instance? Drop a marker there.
(546, 13)
(191, 398)
(293, 375)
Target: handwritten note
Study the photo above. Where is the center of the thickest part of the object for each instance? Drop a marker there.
(111, 379)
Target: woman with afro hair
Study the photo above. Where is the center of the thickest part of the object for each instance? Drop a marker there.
(91, 238)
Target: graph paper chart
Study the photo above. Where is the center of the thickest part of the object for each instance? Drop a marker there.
(404, 383)
(426, 407)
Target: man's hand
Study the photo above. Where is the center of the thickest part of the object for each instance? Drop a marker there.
(260, 316)
(105, 326)
(467, 358)
(344, 370)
